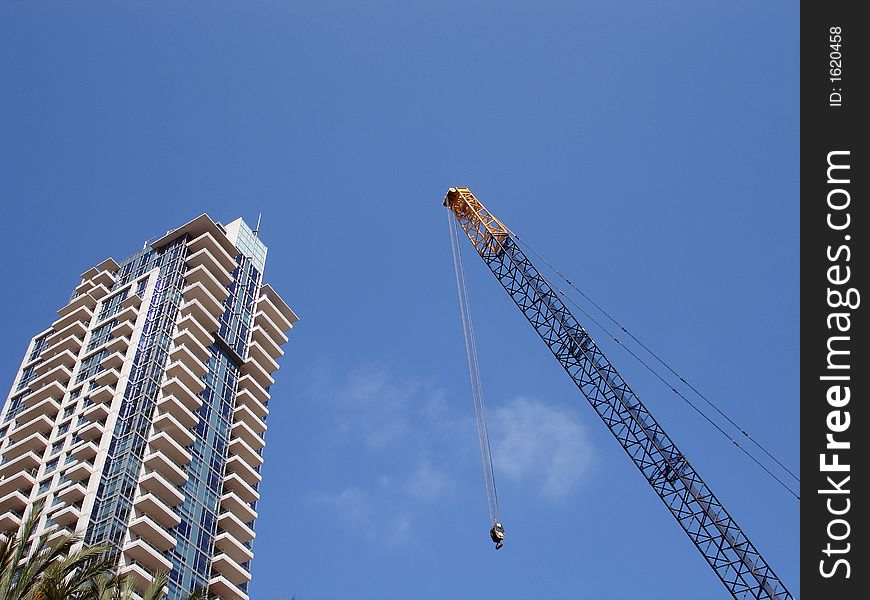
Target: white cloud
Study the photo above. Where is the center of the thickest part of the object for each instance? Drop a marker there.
(541, 445)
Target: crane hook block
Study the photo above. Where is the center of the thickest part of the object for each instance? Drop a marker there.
(497, 534)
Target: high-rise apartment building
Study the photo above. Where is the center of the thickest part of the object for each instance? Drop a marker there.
(138, 416)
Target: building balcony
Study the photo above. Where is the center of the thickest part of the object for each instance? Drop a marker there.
(211, 263)
(197, 291)
(107, 377)
(197, 331)
(196, 310)
(277, 310)
(256, 370)
(80, 471)
(271, 345)
(58, 533)
(185, 374)
(84, 287)
(185, 338)
(82, 301)
(229, 545)
(221, 587)
(245, 415)
(115, 360)
(13, 502)
(269, 327)
(249, 383)
(223, 564)
(183, 354)
(126, 315)
(159, 462)
(91, 431)
(82, 314)
(48, 407)
(132, 301)
(207, 279)
(163, 442)
(183, 394)
(231, 502)
(164, 489)
(143, 552)
(24, 462)
(207, 242)
(22, 482)
(41, 424)
(67, 358)
(72, 493)
(10, 521)
(172, 406)
(231, 523)
(145, 527)
(238, 447)
(257, 353)
(96, 412)
(84, 450)
(165, 423)
(243, 469)
(103, 395)
(35, 442)
(138, 574)
(244, 398)
(102, 274)
(240, 487)
(157, 509)
(244, 432)
(99, 291)
(60, 375)
(67, 515)
(66, 340)
(123, 329)
(118, 344)
(54, 390)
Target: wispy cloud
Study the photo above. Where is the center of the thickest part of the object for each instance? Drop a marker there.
(541, 445)
(411, 446)
(403, 428)
(362, 510)
(428, 483)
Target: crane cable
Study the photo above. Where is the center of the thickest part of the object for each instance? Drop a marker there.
(661, 378)
(474, 372)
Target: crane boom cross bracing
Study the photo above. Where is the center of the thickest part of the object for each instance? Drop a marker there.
(737, 563)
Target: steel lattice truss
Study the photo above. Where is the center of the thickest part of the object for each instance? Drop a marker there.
(716, 535)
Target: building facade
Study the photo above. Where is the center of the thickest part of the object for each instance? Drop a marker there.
(137, 418)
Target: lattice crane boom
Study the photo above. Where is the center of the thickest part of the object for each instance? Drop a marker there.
(737, 562)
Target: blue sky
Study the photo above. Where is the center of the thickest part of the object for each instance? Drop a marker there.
(650, 150)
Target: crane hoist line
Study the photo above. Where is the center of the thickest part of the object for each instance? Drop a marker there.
(722, 543)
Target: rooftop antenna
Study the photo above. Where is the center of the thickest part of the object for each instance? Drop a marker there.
(257, 228)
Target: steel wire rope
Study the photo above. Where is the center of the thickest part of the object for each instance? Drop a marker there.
(669, 368)
(474, 372)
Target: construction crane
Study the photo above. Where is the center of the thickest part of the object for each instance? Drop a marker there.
(715, 534)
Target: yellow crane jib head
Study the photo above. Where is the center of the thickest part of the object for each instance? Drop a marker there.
(485, 231)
